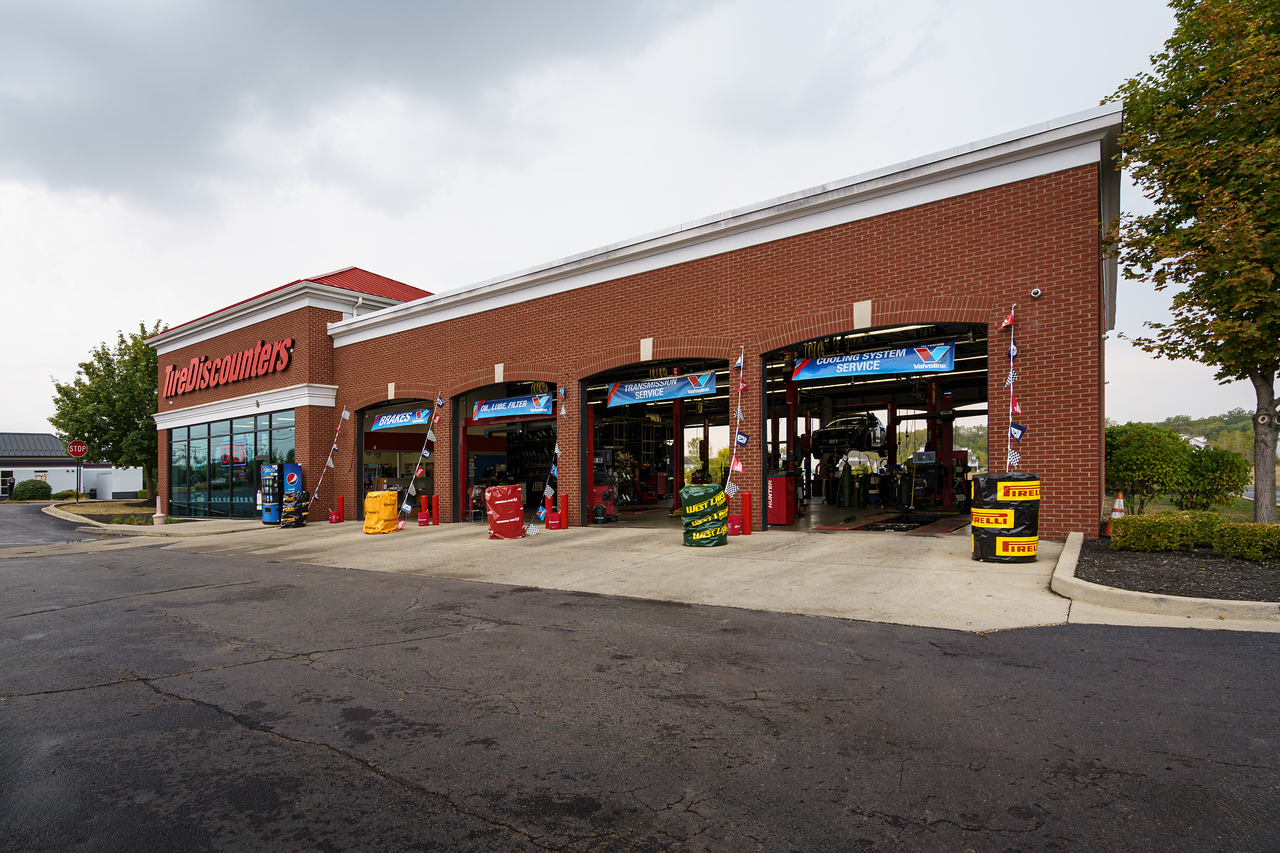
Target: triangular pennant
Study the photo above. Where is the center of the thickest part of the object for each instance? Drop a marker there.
(542, 513)
(557, 448)
(742, 438)
(739, 414)
(548, 493)
(418, 473)
(431, 435)
(329, 462)
(737, 365)
(406, 507)
(1017, 431)
(1008, 321)
(412, 490)
(555, 470)
(1014, 458)
(1013, 377)
(346, 416)
(736, 465)
(742, 385)
(1013, 348)
(730, 489)
(1014, 407)
(439, 401)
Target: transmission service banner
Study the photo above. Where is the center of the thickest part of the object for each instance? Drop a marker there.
(512, 407)
(935, 358)
(667, 388)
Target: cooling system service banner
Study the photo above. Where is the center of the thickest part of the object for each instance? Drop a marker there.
(668, 388)
(935, 358)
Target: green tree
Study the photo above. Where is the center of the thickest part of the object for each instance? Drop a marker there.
(1213, 476)
(110, 402)
(1144, 462)
(1200, 140)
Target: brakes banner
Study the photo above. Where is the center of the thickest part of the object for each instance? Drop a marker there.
(513, 407)
(667, 388)
(931, 358)
(414, 417)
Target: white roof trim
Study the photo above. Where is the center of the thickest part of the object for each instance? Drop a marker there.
(1022, 154)
(304, 294)
(279, 399)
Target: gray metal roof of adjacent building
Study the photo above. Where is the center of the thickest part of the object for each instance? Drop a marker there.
(31, 445)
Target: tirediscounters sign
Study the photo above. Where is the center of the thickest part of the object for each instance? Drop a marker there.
(932, 358)
(669, 388)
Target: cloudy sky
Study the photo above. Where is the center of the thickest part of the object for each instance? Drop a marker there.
(160, 159)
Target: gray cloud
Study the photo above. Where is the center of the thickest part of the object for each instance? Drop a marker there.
(142, 98)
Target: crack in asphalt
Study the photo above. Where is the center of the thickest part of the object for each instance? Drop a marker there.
(131, 595)
(441, 800)
(308, 657)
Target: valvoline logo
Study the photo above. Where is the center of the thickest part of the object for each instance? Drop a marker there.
(932, 355)
(291, 479)
(699, 380)
(540, 401)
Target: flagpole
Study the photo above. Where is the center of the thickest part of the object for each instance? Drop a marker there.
(315, 496)
(419, 466)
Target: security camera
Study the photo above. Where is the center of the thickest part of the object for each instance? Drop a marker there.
(1036, 293)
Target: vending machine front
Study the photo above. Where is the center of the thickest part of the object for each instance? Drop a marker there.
(270, 482)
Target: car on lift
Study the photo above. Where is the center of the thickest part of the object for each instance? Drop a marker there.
(861, 432)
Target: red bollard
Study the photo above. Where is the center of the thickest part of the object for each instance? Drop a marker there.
(342, 512)
(435, 509)
(564, 512)
(746, 513)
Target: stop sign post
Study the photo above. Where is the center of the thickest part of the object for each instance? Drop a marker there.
(77, 449)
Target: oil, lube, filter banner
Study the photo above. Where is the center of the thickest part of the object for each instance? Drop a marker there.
(667, 388)
(705, 515)
(513, 407)
(932, 358)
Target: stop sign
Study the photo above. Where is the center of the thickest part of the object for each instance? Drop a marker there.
(77, 448)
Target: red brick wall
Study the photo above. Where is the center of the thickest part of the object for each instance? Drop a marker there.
(310, 362)
(965, 259)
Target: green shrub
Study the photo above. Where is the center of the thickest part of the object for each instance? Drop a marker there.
(143, 494)
(32, 490)
(65, 494)
(1144, 462)
(1213, 476)
(1248, 540)
(1164, 531)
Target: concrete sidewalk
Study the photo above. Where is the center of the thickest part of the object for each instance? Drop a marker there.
(927, 581)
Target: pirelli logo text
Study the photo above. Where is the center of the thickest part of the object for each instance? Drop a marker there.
(1017, 546)
(1018, 491)
(991, 518)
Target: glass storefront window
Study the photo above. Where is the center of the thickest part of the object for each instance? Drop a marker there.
(215, 468)
(198, 465)
(178, 474)
(282, 446)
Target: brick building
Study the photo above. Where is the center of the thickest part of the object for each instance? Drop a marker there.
(930, 255)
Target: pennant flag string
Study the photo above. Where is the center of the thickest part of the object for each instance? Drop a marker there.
(420, 470)
(328, 463)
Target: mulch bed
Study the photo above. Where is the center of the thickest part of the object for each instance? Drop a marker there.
(1198, 573)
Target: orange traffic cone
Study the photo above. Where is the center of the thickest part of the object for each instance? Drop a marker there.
(1117, 511)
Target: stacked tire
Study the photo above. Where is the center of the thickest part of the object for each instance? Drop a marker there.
(1005, 517)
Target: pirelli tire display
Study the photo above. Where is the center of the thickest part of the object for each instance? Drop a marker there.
(294, 509)
(705, 513)
(1005, 515)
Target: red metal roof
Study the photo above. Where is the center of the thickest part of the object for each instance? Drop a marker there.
(347, 278)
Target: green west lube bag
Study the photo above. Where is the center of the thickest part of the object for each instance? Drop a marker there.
(705, 513)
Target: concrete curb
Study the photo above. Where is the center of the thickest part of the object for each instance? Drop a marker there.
(1066, 584)
(186, 530)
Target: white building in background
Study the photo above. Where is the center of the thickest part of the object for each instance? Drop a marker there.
(41, 456)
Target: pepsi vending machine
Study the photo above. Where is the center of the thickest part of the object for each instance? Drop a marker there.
(270, 483)
(291, 475)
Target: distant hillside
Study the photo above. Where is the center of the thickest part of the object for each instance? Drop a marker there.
(1232, 431)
